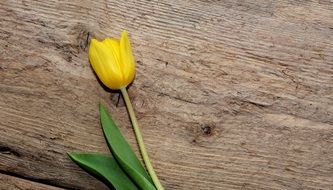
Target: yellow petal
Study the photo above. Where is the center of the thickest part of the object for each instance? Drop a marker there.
(113, 45)
(127, 60)
(105, 64)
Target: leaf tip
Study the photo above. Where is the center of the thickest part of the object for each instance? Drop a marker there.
(101, 107)
(71, 155)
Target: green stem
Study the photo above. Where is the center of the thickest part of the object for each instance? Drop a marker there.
(139, 138)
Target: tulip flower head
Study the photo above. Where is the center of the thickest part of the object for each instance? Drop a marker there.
(113, 61)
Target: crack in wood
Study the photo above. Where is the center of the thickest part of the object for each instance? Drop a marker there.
(39, 181)
(8, 150)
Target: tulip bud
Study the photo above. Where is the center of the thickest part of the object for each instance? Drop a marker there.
(113, 61)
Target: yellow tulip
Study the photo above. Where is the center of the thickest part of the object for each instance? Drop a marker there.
(113, 61)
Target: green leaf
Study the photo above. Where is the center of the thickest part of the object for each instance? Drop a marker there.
(123, 152)
(105, 168)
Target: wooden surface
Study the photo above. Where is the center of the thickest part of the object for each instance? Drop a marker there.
(229, 94)
(13, 183)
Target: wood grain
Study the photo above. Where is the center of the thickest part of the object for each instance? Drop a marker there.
(13, 183)
(229, 94)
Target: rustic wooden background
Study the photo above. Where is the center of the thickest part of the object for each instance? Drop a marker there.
(229, 94)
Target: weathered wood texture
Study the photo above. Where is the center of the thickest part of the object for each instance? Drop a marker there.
(229, 94)
(13, 183)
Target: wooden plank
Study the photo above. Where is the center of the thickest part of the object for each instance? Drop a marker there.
(229, 94)
(13, 183)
